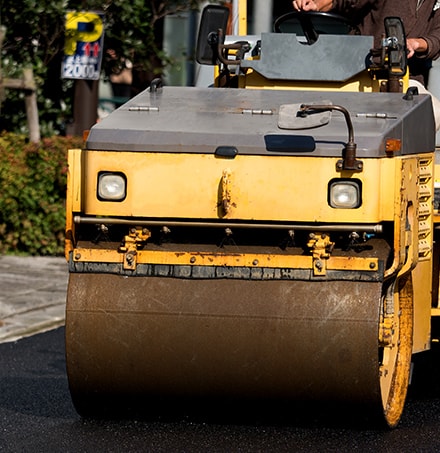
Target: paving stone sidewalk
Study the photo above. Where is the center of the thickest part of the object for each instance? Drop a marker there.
(32, 295)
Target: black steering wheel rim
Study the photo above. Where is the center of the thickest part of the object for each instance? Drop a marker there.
(305, 19)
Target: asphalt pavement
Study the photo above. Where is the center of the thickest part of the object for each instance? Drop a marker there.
(32, 295)
(37, 416)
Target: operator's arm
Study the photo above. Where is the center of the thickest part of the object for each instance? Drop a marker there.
(430, 34)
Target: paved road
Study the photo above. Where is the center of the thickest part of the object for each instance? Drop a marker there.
(32, 295)
(36, 415)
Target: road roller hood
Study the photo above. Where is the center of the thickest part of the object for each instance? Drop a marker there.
(206, 120)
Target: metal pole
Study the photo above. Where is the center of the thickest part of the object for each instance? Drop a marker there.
(192, 38)
(85, 106)
(239, 17)
(262, 16)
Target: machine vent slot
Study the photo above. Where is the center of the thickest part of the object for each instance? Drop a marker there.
(424, 211)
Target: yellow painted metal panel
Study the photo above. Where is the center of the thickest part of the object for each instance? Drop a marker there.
(422, 293)
(242, 17)
(74, 179)
(362, 83)
(281, 188)
(73, 195)
(254, 260)
(406, 240)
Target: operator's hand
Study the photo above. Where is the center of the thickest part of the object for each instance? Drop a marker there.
(305, 5)
(312, 5)
(415, 45)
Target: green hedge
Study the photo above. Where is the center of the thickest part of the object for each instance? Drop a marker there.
(32, 194)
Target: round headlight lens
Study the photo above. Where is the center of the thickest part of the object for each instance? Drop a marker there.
(344, 194)
(111, 186)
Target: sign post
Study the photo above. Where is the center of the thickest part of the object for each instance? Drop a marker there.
(82, 62)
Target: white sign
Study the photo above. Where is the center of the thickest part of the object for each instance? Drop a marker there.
(83, 46)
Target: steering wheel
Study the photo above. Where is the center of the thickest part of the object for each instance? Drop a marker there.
(311, 24)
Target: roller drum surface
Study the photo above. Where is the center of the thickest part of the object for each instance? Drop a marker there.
(153, 337)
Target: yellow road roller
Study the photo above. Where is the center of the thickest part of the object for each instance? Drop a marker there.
(269, 237)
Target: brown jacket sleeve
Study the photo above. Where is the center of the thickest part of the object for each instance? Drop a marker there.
(432, 36)
(370, 14)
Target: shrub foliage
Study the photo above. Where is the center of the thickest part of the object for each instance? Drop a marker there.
(32, 199)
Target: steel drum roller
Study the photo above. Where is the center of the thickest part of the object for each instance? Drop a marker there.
(233, 338)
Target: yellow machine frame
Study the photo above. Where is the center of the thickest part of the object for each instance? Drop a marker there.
(397, 190)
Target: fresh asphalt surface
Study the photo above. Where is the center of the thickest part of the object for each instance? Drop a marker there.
(37, 415)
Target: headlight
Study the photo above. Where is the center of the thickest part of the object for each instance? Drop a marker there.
(344, 194)
(111, 186)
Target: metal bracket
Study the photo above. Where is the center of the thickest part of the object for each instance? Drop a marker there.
(321, 248)
(130, 244)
